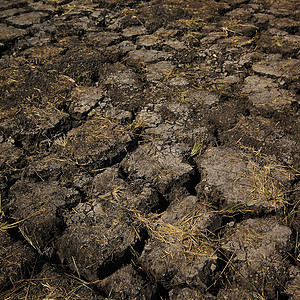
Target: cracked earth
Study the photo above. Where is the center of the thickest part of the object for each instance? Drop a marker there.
(149, 149)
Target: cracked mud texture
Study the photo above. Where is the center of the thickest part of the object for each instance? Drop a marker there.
(149, 149)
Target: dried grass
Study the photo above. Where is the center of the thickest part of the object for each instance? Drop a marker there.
(98, 130)
(268, 180)
(49, 288)
(183, 239)
(265, 186)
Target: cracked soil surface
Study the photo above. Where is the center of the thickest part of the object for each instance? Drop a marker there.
(149, 149)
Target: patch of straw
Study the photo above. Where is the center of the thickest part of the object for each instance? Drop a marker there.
(184, 238)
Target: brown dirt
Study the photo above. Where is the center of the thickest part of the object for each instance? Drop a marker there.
(149, 149)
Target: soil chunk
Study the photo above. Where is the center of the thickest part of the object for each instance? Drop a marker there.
(27, 19)
(242, 182)
(261, 254)
(15, 257)
(38, 205)
(179, 238)
(9, 33)
(127, 283)
(96, 237)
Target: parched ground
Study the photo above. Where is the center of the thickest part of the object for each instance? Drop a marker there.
(149, 149)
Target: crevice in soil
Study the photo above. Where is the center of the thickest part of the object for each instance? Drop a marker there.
(222, 275)
(129, 255)
(122, 174)
(163, 204)
(281, 295)
(130, 147)
(217, 137)
(194, 180)
(162, 291)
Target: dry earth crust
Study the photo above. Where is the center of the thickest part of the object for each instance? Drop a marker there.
(149, 149)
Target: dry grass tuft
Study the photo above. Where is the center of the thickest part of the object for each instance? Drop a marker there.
(268, 180)
(184, 239)
(265, 186)
(53, 287)
(42, 116)
(98, 130)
